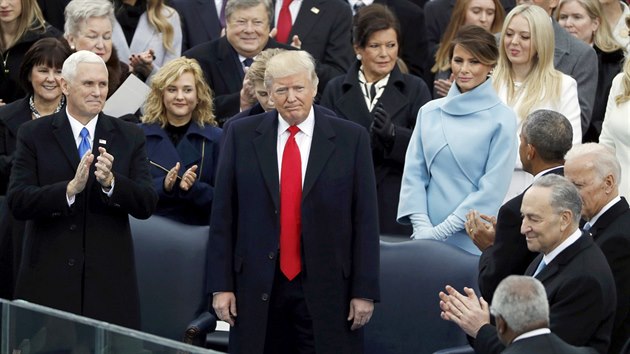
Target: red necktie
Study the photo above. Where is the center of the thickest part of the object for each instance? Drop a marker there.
(284, 22)
(290, 214)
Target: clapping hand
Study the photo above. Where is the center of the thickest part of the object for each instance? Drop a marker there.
(103, 165)
(383, 127)
(77, 184)
(188, 179)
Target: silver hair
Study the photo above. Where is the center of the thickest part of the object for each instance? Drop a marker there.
(604, 160)
(289, 63)
(564, 195)
(550, 133)
(522, 302)
(69, 69)
(79, 11)
(234, 5)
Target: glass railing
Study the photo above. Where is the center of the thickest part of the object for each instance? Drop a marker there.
(27, 328)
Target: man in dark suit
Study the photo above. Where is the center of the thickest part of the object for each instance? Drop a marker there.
(78, 251)
(298, 260)
(322, 28)
(595, 171)
(522, 314)
(223, 60)
(579, 284)
(201, 21)
(545, 138)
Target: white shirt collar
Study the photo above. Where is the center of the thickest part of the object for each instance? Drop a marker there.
(604, 209)
(536, 332)
(77, 127)
(306, 127)
(542, 173)
(561, 247)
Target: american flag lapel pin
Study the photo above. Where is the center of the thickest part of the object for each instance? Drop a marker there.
(102, 141)
(314, 10)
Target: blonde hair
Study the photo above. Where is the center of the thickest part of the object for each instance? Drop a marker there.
(31, 19)
(543, 80)
(458, 18)
(602, 37)
(256, 72)
(155, 111)
(624, 96)
(158, 14)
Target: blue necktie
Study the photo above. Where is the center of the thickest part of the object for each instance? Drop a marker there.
(541, 266)
(84, 146)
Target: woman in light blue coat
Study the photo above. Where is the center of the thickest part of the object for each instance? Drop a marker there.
(462, 150)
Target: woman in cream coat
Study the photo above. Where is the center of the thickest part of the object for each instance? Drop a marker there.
(616, 127)
(461, 152)
(526, 80)
(157, 38)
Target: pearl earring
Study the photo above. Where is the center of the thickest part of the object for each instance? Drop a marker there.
(359, 57)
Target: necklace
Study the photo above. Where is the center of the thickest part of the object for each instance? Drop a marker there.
(5, 57)
(36, 114)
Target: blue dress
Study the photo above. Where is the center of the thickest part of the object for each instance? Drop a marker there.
(460, 157)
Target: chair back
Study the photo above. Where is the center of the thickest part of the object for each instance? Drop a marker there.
(171, 270)
(412, 273)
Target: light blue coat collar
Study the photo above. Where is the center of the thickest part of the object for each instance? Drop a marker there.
(480, 98)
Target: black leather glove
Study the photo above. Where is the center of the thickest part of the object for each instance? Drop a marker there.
(382, 126)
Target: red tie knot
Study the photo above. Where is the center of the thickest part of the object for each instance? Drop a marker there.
(293, 130)
(286, 3)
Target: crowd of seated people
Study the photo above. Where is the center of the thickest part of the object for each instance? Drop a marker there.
(454, 152)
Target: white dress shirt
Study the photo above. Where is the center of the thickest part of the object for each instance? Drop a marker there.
(303, 139)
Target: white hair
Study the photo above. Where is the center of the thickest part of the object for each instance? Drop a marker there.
(604, 160)
(69, 69)
(522, 303)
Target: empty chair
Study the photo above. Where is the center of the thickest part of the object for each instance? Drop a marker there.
(407, 320)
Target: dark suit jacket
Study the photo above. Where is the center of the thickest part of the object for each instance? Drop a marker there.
(612, 234)
(12, 116)
(200, 21)
(581, 293)
(545, 344)
(325, 27)
(414, 47)
(53, 12)
(224, 73)
(340, 249)
(199, 146)
(578, 60)
(79, 258)
(509, 254)
(402, 98)
(10, 86)
(609, 65)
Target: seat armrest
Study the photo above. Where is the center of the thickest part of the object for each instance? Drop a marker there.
(465, 349)
(198, 329)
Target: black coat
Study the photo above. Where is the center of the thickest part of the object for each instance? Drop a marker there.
(224, 73)
(402, 98)
(200, 21)
(545, 344)
(10, 86)
(339, 238)
(414, 47)
(324, 28)
(12, 116)
(611, 233)
(581, 293)
(80, 258)
(509, 254)
(609, 65)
